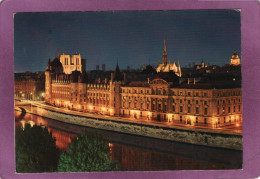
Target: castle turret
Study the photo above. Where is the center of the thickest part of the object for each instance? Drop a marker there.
(48, 83)
(117, 80)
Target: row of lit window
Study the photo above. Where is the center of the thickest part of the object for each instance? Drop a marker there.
(135, 105)
(98, 94)
(228, 101)
(97, 86)
(229, 109)
(135, 91)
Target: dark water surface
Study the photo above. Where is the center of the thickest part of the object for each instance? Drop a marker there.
(143, 153)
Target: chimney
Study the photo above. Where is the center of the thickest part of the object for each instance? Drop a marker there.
(103, 67)
(124, 77)
(148, 80)
(194, 82)
(188, 81)
(112, 76)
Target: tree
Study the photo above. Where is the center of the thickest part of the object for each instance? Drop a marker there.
(87, 152)
(36, 150)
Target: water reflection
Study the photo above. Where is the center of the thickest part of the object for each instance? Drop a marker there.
(141, 153)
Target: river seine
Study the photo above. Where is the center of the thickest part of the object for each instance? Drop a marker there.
(136, 153)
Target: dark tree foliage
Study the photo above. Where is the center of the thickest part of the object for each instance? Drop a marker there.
(35, 150)
(87, 152)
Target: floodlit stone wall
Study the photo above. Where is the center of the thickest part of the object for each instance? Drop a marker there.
(193, 136)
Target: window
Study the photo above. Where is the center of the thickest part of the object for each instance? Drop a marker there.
(197, 110)
(135, 105)
(205, 103)
(218, 110)
(188, 93)
(180, 118)
(173, 108)
(188, 101)
(197, 102)
(165, 107)
(180, 100)
(224, 119)
(239, 108)
(141, 105)
(197, 120)
(188, 109)
(206, 111)
(205, 94)
(234, 108)
(180, 108)
(205, 120)
(140, 114)
(173, 100)
(197, 94)
(181, 93)
(228, 109)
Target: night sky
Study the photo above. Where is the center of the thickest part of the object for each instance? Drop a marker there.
(132, 38)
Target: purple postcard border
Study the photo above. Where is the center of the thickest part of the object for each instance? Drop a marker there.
(250, 25)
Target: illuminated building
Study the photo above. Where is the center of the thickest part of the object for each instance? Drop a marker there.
(211, 101)
(29, 86)
(72, 63)
(235, 60)
(166, 66)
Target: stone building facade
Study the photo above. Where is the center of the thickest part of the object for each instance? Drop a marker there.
(72, 63)
(29, 86)
(167, 97)
(194, 104)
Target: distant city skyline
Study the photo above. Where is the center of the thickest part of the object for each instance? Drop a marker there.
(132, 38)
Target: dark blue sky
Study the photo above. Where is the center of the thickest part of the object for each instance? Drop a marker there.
(131, 37)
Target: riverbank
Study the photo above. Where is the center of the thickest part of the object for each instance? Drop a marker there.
(206, 137)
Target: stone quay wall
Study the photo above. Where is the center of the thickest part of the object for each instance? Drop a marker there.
(205, 137)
